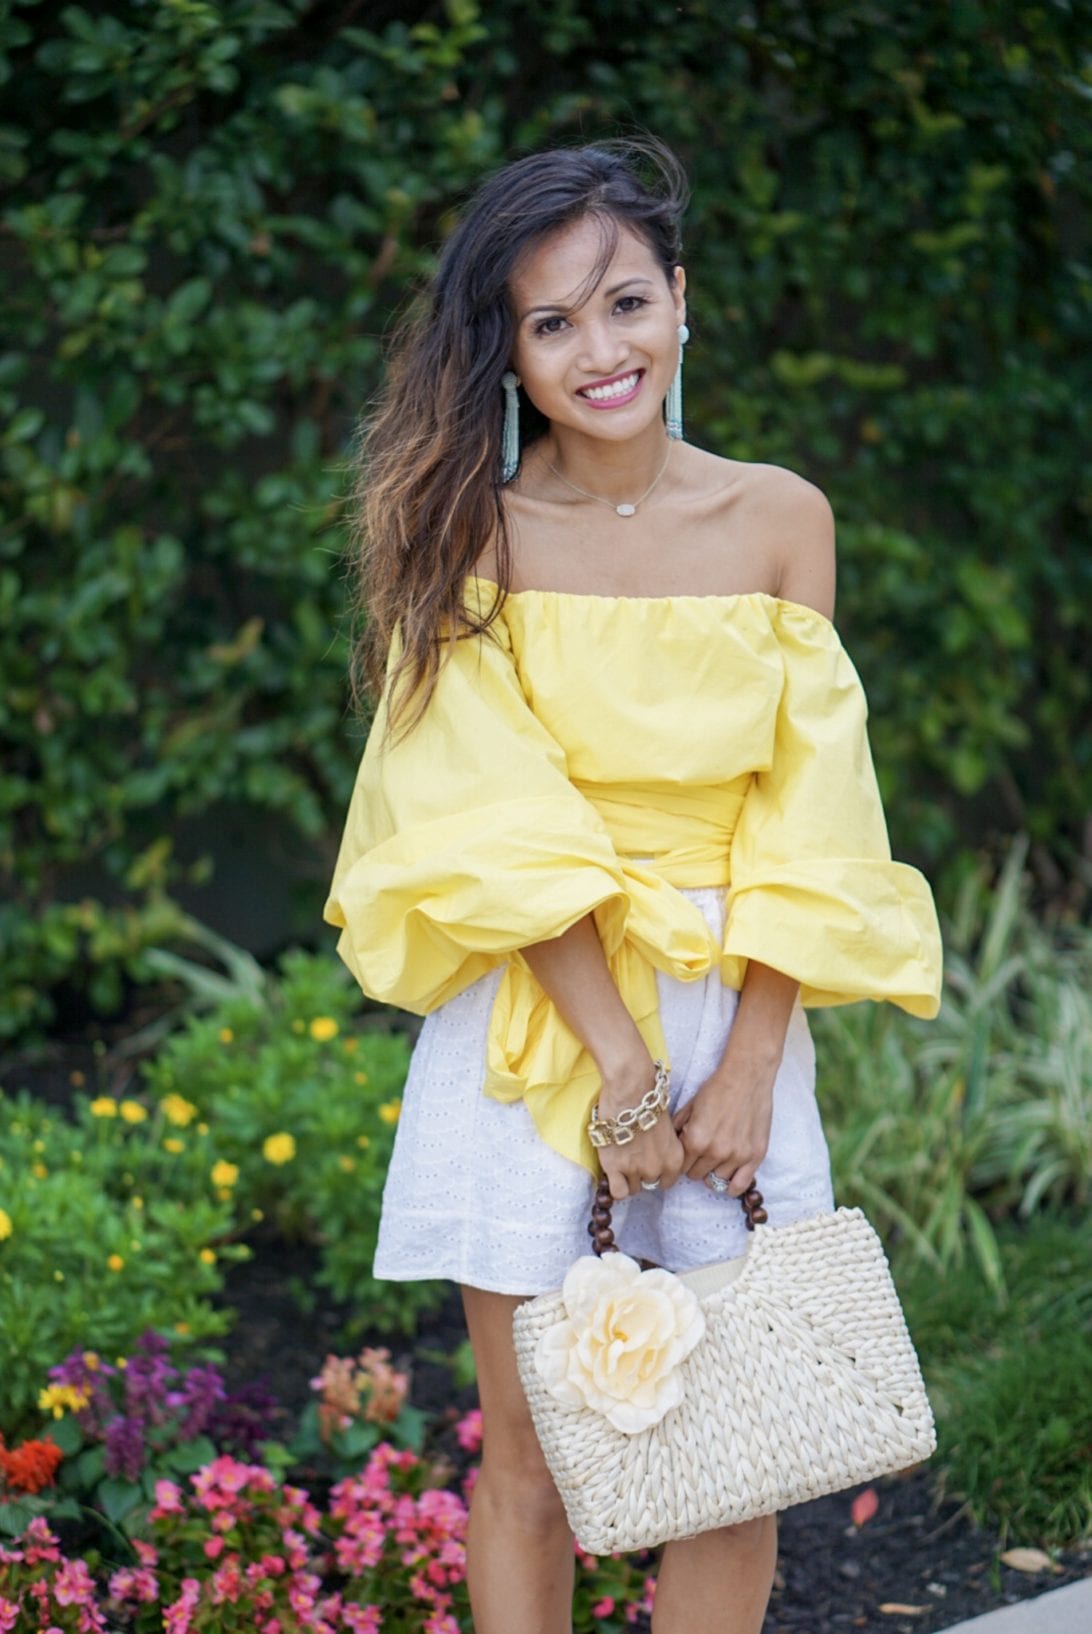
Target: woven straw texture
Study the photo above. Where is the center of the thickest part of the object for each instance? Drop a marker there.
(805, 1382)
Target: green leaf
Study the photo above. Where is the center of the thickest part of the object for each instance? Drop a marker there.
(66, 1433)
(190, 1456)
(118, 1498)
(15, 1516)
(409, 1429)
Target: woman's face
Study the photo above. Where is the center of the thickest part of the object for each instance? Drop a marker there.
(601, 368)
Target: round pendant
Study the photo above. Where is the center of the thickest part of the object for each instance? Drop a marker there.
(625, 510)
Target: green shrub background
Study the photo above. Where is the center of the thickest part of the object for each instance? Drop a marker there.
(210, 213)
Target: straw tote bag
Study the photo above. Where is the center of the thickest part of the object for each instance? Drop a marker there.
(788, 1373)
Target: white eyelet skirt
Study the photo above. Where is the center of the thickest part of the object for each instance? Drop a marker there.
(474, 1195)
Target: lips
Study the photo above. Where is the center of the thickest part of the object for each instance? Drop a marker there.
(617, 389)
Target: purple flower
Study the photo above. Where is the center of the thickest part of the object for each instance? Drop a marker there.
(244, 1419)
(148, 1377)
(125, 1448)
(202, 1389)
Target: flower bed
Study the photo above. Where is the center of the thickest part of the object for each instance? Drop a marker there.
(228, 1542)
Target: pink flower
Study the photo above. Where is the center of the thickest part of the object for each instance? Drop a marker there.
(73, 1584)
(469, 1430)
(177, 1618)
(9, 1611)
(440, 1622)
(168, 1500)
(604, 1607)
(42, 1544)
(227, 1582)
(214, 1548)
(133, 1583)
(362, 1619)
(360, 1549)
(295, 1549)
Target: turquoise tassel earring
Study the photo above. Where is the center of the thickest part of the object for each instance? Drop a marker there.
(510, 444)
(673, 403)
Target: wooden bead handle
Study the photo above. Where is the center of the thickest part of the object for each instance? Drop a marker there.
(601, 1231)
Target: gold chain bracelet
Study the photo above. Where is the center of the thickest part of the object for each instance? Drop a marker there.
(620, 1130)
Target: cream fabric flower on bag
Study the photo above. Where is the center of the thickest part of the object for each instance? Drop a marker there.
(617, 1349)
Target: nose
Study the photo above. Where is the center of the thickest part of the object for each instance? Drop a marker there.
(603, 349)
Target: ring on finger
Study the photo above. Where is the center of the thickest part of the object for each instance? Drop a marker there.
(651, 1185)
(717, 1182)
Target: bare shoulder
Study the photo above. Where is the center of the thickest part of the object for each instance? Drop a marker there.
(793, 520)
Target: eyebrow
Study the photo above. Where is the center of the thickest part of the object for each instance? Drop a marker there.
(558, 306)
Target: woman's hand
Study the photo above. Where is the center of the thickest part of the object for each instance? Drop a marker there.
(652, 1154)
(725, 1128)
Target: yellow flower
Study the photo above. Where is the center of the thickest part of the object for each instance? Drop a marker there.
(137, 1202)
(350, 1044)
(39, 1170)
(323, 1028)
(363, 1141)
(226, 1036)
(389, 1111)
(280, 1148)
(121, 1363)
(173, 1144)
(133, 1112)
(116, 1263)
(5, 1225)
(55, 1398)
(207, 1256)
(202, 1128)
(257, 1214)
(39, 1146)
(92, 1361)
(177, 1110)
(181, 1327)
(224, 1173)
(360, 1077)
(104, 1106)
(58, 1276)
(346, 1162)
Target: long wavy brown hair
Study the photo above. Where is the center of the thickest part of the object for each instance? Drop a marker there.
(426, 493)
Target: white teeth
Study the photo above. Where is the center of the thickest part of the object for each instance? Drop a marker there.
(618, 388)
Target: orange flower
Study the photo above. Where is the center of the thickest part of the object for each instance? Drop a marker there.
(30, 1467)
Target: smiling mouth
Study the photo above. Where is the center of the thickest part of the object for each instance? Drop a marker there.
(612, 391)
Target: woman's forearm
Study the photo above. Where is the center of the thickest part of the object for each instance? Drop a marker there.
(761, 1022)
(572, 970)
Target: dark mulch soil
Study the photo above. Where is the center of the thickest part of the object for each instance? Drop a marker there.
(917, 1551)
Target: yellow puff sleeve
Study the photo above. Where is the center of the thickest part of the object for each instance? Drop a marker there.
(465, 840)
(814, 892)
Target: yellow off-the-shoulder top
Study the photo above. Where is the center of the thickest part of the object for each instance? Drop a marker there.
(591, 755)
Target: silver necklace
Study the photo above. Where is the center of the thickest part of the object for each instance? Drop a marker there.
(622, 510)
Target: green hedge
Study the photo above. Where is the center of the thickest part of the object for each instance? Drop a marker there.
(209, 214)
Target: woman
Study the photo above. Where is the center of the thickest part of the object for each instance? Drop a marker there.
(617, 808)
